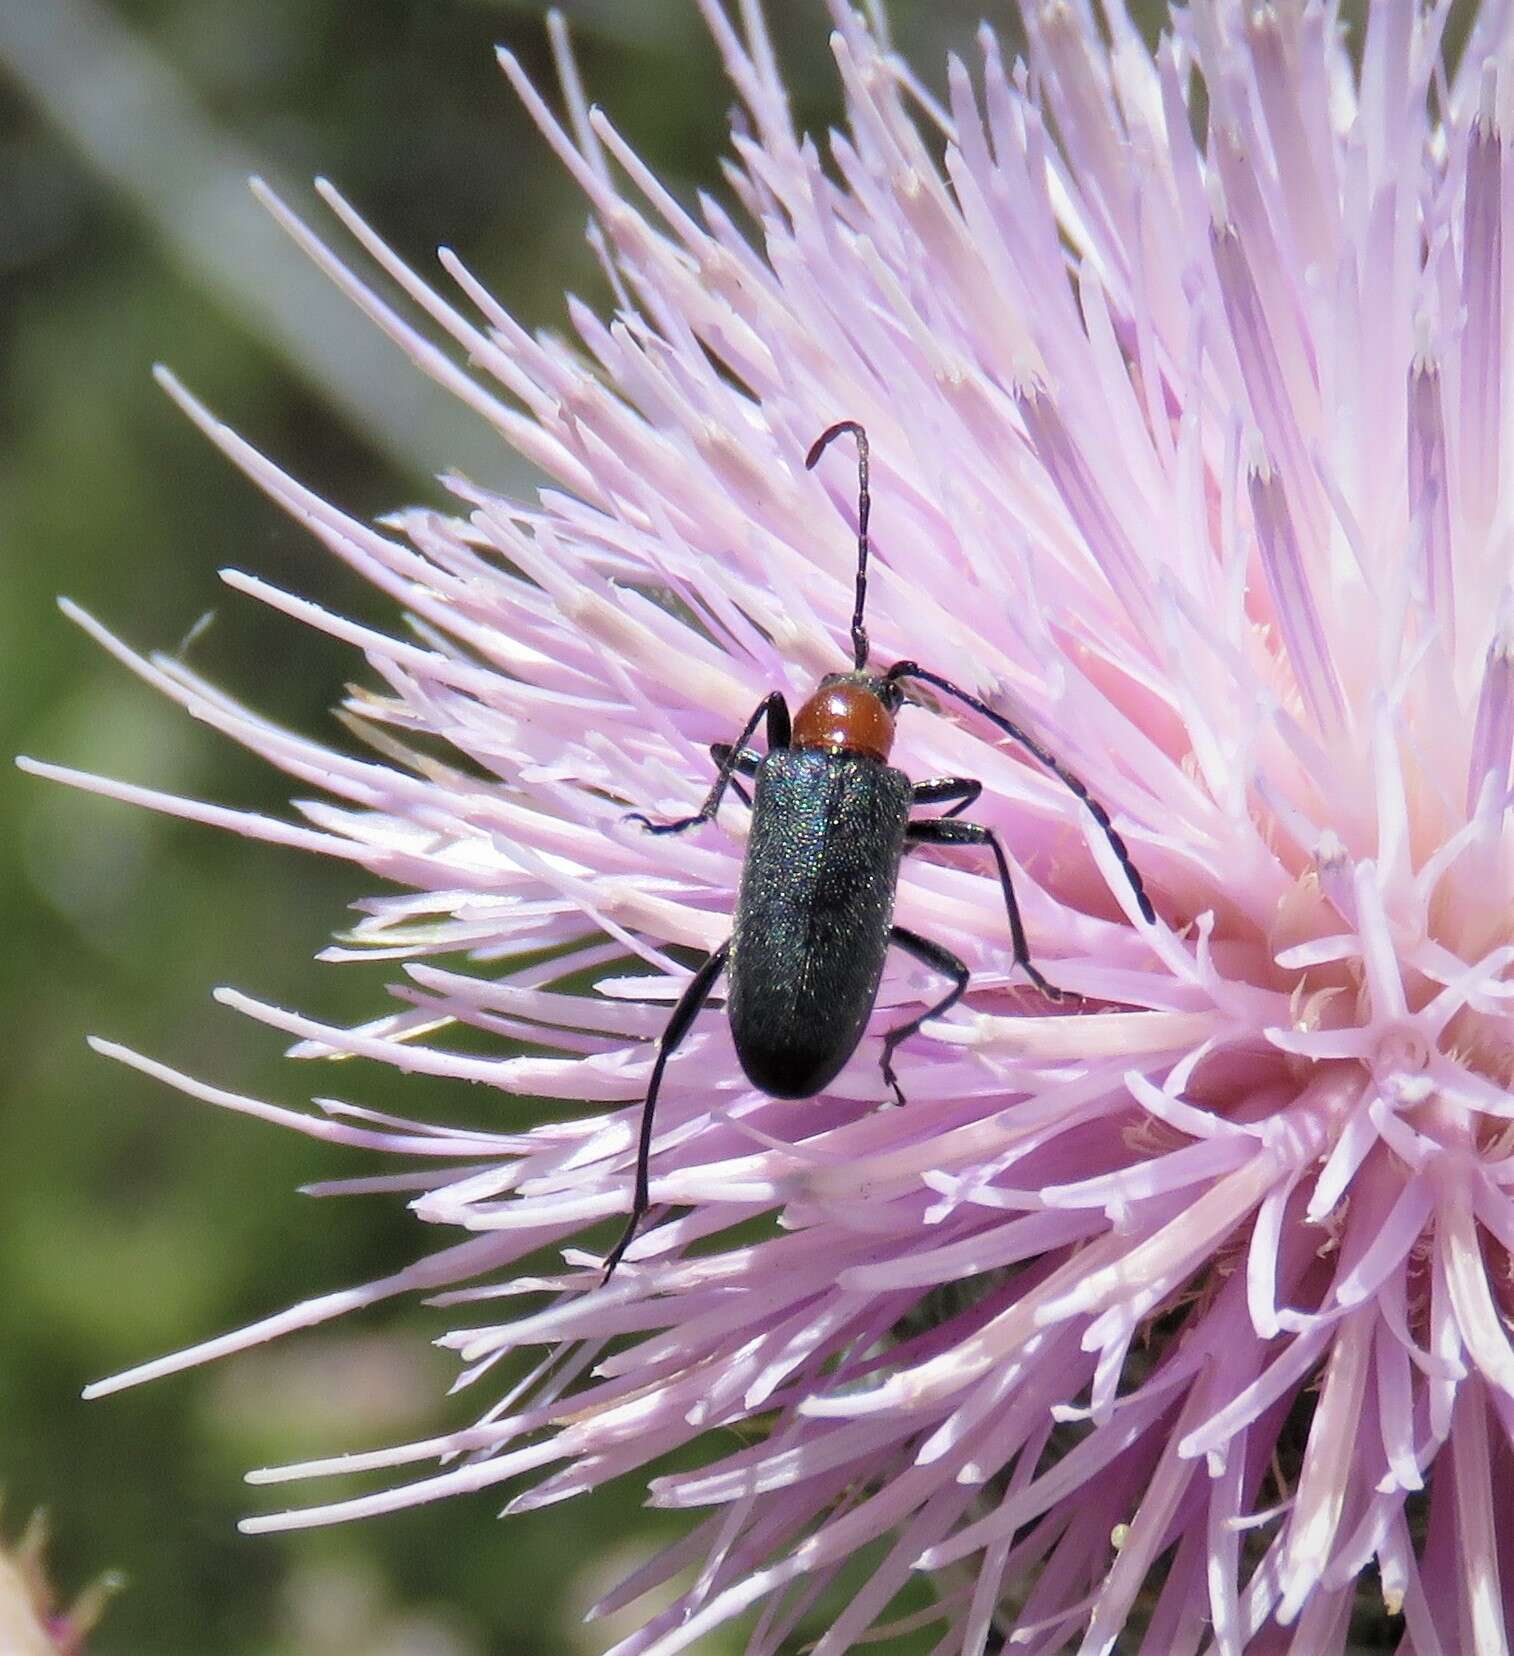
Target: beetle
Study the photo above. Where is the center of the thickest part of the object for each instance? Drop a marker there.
(830, 826)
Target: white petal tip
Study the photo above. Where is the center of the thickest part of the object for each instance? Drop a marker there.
(185, 398)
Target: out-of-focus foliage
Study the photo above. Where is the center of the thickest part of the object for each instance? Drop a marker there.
(132, 1221)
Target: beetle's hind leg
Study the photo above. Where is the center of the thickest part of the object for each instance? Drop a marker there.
(941, 831)
(695, 994)
(941, 960)
(729, 759)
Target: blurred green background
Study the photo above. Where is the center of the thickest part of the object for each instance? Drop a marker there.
(132, 1220)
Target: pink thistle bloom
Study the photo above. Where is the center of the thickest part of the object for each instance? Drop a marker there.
(1171, 1316)
(32, 1620)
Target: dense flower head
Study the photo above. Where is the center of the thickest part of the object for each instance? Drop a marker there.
(1165, 1317)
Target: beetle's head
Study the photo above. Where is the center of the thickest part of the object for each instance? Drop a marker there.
(878, 685)
(849, 713)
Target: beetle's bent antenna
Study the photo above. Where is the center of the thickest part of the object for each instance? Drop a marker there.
(864, 505)
(913, 670)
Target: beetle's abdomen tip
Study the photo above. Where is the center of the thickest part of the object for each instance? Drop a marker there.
(790, 1074)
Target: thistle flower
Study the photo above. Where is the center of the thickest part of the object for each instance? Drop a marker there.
(32, 1622)
(1176, 1313)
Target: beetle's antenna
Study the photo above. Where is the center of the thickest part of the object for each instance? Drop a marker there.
(902, 670)
(864, 505)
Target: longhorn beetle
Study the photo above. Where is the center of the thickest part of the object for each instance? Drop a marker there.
(830, 825)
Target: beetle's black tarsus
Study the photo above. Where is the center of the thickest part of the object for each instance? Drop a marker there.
(864, 507)
(1044, 756)
(940, 960)
(695, 994)
(943, 831)
(775, 711)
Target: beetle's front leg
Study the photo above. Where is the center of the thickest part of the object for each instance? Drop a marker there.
(775, 711)
(744, 763)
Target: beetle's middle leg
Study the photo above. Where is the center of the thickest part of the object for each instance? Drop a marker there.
(696, 993)
(775, 711)
(940, 831)
(938, 789)
(943, 961)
